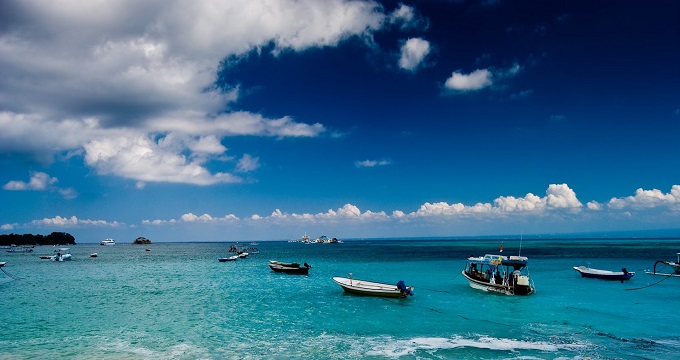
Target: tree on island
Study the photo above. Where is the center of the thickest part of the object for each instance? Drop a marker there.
(55, 238)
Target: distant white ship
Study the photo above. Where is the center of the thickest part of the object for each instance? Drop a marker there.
(107, 242)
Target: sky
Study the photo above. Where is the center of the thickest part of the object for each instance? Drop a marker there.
(249, 120)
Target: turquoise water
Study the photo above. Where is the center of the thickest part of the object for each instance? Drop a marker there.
(178, 302)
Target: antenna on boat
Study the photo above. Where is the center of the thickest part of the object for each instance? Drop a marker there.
(520, 242)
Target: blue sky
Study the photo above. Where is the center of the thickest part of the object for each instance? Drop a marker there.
(256, 120)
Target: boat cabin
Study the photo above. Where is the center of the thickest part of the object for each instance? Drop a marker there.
(504, 274)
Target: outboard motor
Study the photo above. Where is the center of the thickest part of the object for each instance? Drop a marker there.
(402, 287)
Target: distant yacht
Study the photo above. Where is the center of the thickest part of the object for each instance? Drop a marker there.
(107, 242)
(305, 239)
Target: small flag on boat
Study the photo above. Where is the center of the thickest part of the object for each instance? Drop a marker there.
(501, 249)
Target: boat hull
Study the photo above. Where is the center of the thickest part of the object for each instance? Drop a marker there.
(289, 269)
(499, 288)
(370, 288)
(603, 274)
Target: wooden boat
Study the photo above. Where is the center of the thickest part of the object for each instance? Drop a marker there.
(284, 263)
(674, 266)
(231, 258)
(587, 272)
(502, 274)
(298, 270)
(373, 288)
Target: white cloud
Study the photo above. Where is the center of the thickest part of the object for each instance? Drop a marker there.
(476, 80)
(141, 157)
(406, 17)
(74, 222)
(248, 163)
(558, 196)
(85, 75)
(372, 163)
(594, 205)
(8, 226)
(38, 181)
(648, 199)
(41, 181)
(413, 52)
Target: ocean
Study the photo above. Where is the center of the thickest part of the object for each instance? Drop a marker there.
(178, 302)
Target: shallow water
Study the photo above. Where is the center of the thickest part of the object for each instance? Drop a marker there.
(178, 302)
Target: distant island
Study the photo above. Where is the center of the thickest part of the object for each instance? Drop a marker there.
(55, 238)
(141, 240)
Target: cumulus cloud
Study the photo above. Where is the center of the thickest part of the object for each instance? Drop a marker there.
(413, 52)
(594, 205)
(73, 221)
(648, 199)
(86, 75)
(38, 181)
(372, 163)
(476, 80)
(558, 196)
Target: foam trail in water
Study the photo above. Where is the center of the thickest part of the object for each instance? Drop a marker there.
(408, 347)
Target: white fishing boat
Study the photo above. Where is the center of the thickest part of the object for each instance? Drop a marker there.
(107, 242)
(61, 255)
(673, 265)
(370, 288)
(501, 274)
(588, 272)
(231, 258)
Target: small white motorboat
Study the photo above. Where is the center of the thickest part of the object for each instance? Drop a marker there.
(231, 258)
(94, 255)
(588, 272)
(107, 242)
(370, 288)
(62, 255)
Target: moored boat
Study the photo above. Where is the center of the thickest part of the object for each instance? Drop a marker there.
(370, 288)
(231, 258)
(587, 272)
(674, 266)
(291, 268)
(93, 255)
(62, 255)
(502, 274)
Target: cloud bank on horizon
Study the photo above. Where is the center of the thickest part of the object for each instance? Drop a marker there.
(559, 200)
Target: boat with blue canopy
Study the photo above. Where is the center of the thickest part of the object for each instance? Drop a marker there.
(507, 275)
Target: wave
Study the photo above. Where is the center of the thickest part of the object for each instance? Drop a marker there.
(399, 348)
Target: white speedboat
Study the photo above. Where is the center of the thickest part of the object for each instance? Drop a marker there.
(107, 242)
(588, 272)
(502, 274)
(231, 258)
(62, 255)
(370, 288)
